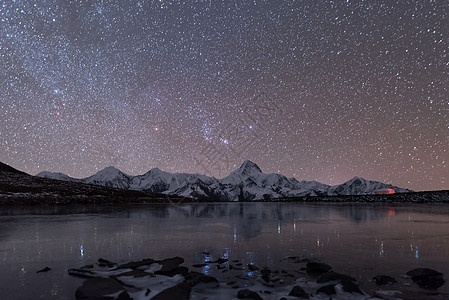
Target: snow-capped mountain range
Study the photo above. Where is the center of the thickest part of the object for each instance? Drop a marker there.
(244, 184)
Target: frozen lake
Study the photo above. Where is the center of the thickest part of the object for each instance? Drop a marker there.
(357, 239)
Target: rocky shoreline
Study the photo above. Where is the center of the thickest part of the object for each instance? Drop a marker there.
(305, 279)
(412, 197)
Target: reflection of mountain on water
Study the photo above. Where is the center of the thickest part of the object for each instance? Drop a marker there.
(247, 219)
(362, 214)
(280, 211)
(283, 212)
(260, 211)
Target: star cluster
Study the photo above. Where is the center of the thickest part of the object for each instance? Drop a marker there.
(316, 90)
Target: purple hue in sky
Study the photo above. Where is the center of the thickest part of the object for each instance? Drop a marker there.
(316, 90)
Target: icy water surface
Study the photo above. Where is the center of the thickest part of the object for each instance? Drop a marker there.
(357, 239)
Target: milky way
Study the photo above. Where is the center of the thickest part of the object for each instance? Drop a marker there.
(316, 90)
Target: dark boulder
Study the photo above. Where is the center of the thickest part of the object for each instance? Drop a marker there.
(171, 263)
(427, 278)
(177, 292)
(231, 267)
(106, 263)
(248, 294)
(101, 288)
(83, 273)
(172, 272)
(208, 280)
(46, 269)
(170, 267)
(348, 283)
(266, 274)
(90, 266)
(200, 280)
(299, 292)
(317, 268)
(349, 286)
(328, 290)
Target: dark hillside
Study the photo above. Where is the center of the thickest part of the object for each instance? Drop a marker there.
(19, 188)
(9, 169)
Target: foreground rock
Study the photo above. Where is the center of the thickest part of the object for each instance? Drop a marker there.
(179, 292)
(99, 288)
(427, 278)
(248, 294)
(168, 279)
(299, 292)
(317, 268)
(46, 269)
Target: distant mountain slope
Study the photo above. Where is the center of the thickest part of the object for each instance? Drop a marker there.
(9, 169)
(360, 186)
(19, 188)
(57, 176)
(246, 183)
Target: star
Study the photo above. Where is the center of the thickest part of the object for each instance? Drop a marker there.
(318, 90)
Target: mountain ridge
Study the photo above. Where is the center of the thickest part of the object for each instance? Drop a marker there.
(20, 188)
(246, 183)
(9, 169)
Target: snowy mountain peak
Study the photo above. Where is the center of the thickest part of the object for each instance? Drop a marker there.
(56, 175)
(248, 167)
(110, 169)
(247, 170)
(360, 186)
(108, 173)
(356, 179)
(246, 183)
(156, 171)
(47, 174)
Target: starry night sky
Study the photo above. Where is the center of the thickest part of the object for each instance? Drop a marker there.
(316, 90)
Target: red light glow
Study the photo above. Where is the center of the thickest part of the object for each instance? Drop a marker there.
(385, 191)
